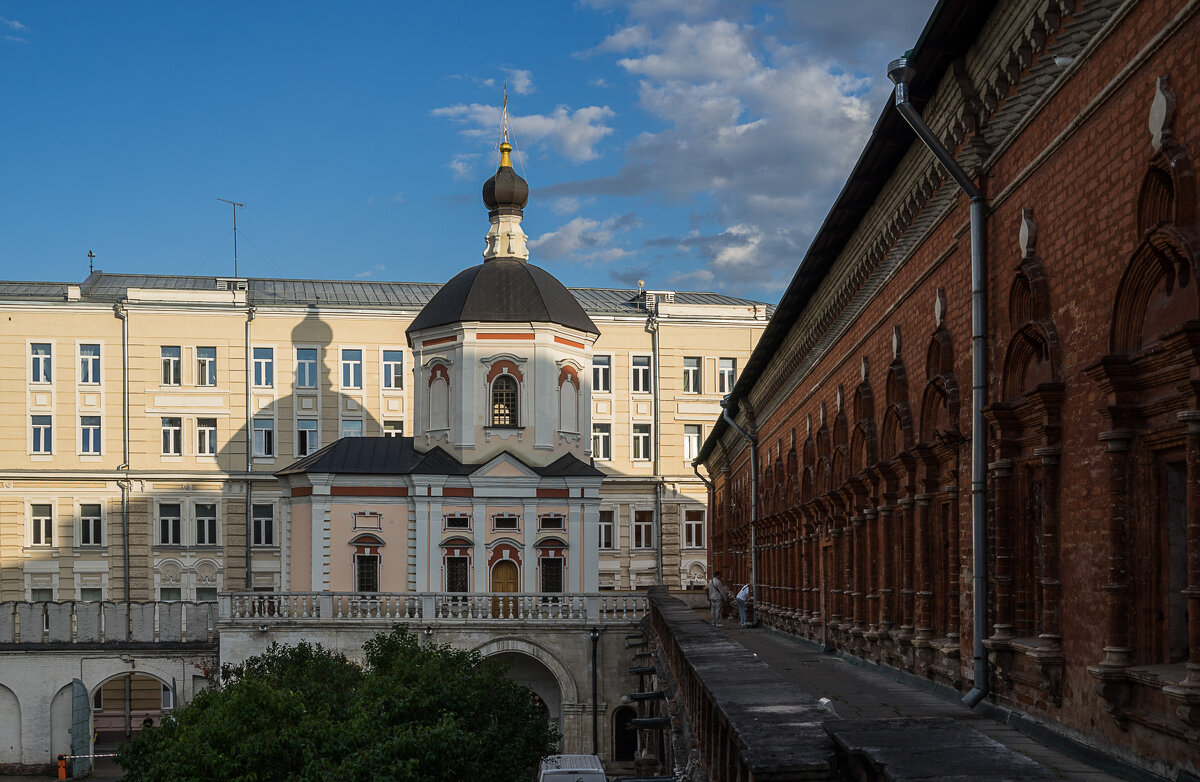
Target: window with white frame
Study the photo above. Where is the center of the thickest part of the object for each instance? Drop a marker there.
(170, 524)
(552, 574)
(264, 437)
(552, 521)
(262, 519)
(352, 427)
(89, 364)
(42, 431)
(607, 538)
(641, 375)
(506, 522)
(693, 528)
(641, 441)
(726, 375)
(691, 375)
(693, 435)
(306, 436)
(351, 368)
(264, 367)
(168, 697)
(172, 365)
(91, 525)
(393, 428)
(41, 521)
(393, 369)
(306, 367)
(206, 524)
(172, 436)
(41, 360)
(504, 401)
(206, 366)
(366, 520)
(89, 434)
(458, 522)
(643, 529)
(602, 442)
(206, 436)
(458, 573)
(601, 374)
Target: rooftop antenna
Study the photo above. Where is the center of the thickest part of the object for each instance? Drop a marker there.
(235, 206)
(91, 258)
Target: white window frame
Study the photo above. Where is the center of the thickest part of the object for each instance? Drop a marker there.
(41, 365)
(264, 438)
(726, 376)
(171, 375)
(491, 411)
(97, 525)
(310, 367)
(41, 434)
(206, 437)
(348, 425)
(608, 529)
(692, 375)
(346, 368)
(391, 367)
(641, 442)
(206, 367)
(447, 527)
(176, 528)
(89, 366)
(308, 438)
(557, 522)
(641, 379)
(91, 441)
(499, 516)
(602, 374)
(40, 527)
(602, 436)
(216, 523)
(693, 438)
(172, 435)
(264, 366)
(690, 527)
(642, 534)
(393, 428)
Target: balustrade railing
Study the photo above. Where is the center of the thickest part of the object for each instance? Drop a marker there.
(428, 606)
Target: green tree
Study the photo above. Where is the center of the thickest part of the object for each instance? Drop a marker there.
(412, 712)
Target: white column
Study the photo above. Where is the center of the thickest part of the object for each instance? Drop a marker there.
(530, 553)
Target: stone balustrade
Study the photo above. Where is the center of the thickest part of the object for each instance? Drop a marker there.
(70, 622)
(431, 606)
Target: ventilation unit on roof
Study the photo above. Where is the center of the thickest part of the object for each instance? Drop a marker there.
(651, 299)
(231, 284)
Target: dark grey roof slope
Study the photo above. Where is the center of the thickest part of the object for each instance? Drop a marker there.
(567, 466)
(504, 290)
(396, 456)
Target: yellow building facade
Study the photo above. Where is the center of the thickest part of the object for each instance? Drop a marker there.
(143, 417)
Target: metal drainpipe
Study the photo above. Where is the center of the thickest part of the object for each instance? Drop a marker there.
(753, 499)
(652, 327)
(595, 634)
(249, 449)
(123, 314)
(900, 73)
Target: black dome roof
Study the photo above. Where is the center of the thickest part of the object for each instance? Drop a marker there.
(504, 290)
(506, 189)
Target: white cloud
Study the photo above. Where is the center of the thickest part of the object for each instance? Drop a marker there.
(636, 36)
(379, 267)
(12, 24)
(584, 240)
(574, 134)
(463, 165)
(521, 82)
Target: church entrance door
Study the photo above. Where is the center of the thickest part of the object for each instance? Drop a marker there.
(504, 579)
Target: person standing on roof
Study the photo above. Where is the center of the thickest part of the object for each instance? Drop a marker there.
(717, 594)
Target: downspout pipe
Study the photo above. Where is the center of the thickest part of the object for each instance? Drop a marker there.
(753, 498)
(900, 72)
(122, 313)
(652, 327)
(249, 451)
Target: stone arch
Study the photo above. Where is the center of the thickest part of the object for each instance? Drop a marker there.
(1156, 290)
(534, 659)
(936, 414)
(10, 727)
(1028, 362)
(624, 734)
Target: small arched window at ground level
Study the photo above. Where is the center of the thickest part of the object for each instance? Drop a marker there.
(504, 401)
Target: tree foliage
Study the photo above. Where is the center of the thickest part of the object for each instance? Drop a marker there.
(411, 712)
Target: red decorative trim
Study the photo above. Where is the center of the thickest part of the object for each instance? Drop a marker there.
(439, 370)
(452, 492)
(504, 366)
(498, 552)
(569, 342)
(505, 336)
(568, 372)
(301, 491)
(553, 494)
(368, 491)
(438, 341)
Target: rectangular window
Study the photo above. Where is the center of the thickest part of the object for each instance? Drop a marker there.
(206, 436)
(457, 574)
(206, 594)
(506, 523)
(42, 523)
(607, 539)
(366, 573)
(89, 434)
(172, 363)
(92, 595)
(306, 436)
(264, 367)
(264, 437)
(693, 435)
(641, 375)
(643, 529)
(602, 441)
(91, 525)
(351, 368)
(43, 434)
(551, 522)
(41, 596)
(169, 595)
(172, 436)
(393, 428)
(263, 521)
(89, 364)
(601, 374)
(458, 522)
(726, 375)
(352, 427)
(170, 524)
(206, 524)
(691, 375)
(41, 359)
(552, 574)
(641, 441)
(306, 367)
(393, 369)
(693, 529)
(206, 366)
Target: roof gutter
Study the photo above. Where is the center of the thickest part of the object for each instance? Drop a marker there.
(901, 73)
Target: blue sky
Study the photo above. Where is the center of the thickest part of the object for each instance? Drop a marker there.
(694, 144)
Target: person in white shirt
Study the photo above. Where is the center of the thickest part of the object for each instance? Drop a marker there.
(742, 596)
(717, 594)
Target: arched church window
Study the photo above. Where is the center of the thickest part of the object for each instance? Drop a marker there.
(504, 401)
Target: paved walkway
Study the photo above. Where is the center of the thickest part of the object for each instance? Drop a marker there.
(859, 693)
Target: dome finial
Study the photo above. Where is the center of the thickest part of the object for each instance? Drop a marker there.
(505, 147)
